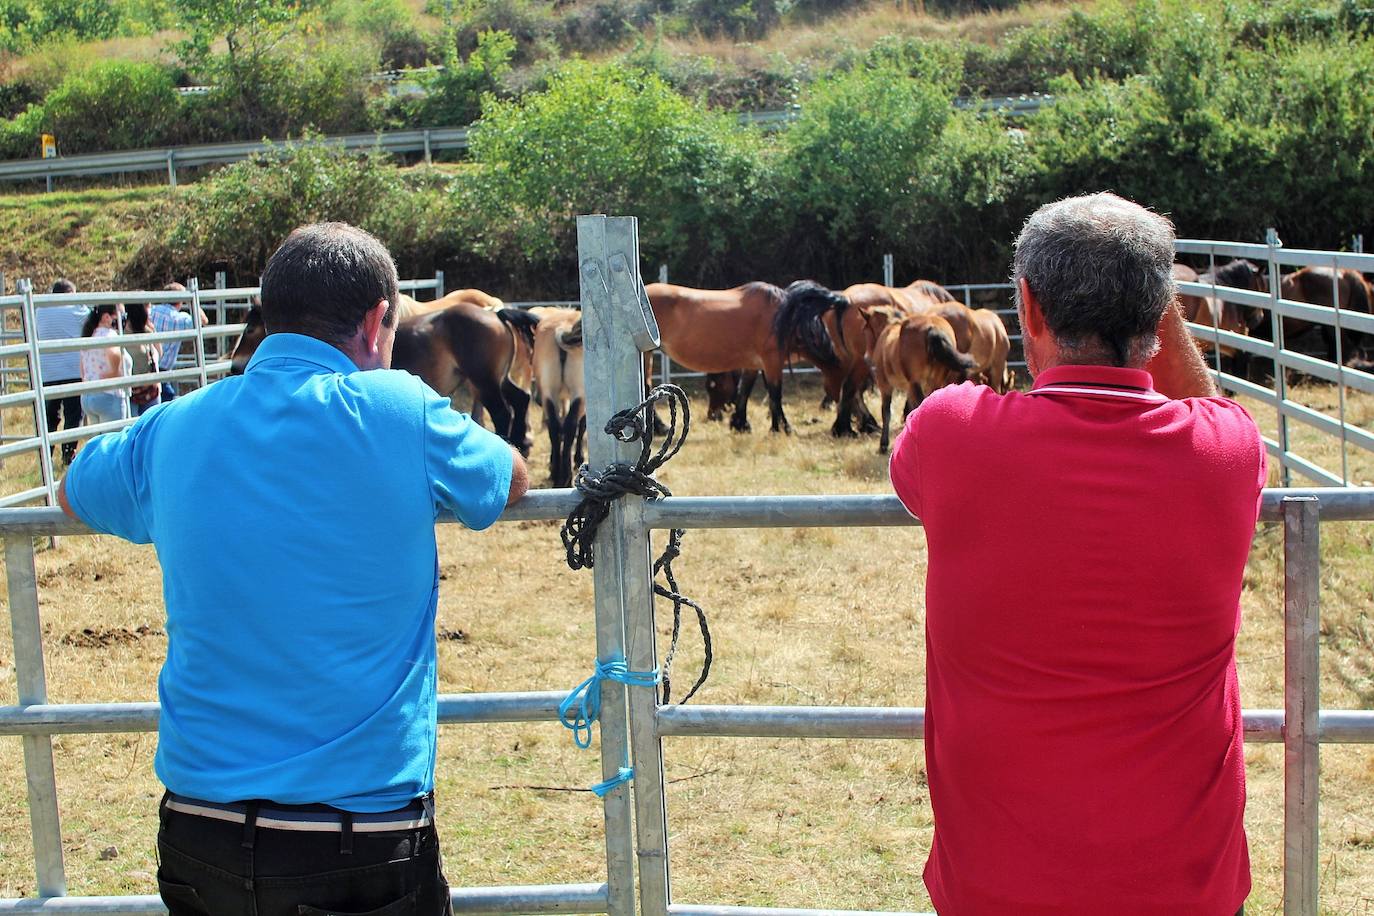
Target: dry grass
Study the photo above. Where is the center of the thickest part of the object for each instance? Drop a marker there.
(830, 37)
(825, 616)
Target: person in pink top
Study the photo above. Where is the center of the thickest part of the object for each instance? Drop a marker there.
(1087, 541)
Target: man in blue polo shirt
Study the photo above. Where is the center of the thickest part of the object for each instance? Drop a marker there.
(297, 731)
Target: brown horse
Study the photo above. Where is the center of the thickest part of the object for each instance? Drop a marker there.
(1345, 289)
(558, 379)
(1214, 312)
(915, 354)
(463, 343)
(722, 330)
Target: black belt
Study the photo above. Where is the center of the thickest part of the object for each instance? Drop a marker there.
(311, 818)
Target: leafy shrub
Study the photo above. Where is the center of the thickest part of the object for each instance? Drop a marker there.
(608, 139)
(112, 105)
(236, 218)
(453, 95)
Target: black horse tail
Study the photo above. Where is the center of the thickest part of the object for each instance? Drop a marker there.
(942, 349)
(520, 321)
(798, 326)
(569, 338)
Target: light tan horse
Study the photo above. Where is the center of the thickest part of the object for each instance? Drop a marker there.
(557, 359)
(410, 307)
(914, 354)
(721, 330)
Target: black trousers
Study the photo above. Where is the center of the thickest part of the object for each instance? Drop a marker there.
(68, 409)
(210, 867)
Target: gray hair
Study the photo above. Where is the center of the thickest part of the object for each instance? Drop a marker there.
(1100, 267)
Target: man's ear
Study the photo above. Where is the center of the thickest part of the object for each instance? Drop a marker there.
(1032, 316)
(372, 324)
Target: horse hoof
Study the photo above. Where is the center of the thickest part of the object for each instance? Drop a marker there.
(741, 427)
(843, 432)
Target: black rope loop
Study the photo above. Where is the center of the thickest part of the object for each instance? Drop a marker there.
(600, 489)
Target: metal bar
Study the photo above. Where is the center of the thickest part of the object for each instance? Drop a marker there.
(546, 898)
(1271, 239)
(123, 381)
(33, 443)
(1262, 726)
(1254, 251)
(18, 397)
(199, 327)
(111, 718)
(614, 380)
(31, 680)
(1340, 367)
(40, 406)
(1301, 678)
(1310, 257)
(15, 499)
(888, 271)
(76, 344)
(1346, 504)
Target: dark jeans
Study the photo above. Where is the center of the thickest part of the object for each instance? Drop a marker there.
(68, 409)
(209, 867)
(169, 392)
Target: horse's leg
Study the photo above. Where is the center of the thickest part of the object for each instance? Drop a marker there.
(476, 413)
(887, 419)
(867, 423)
(519, 401)
(571, 422)
(554, 427)
(843, 428)
(740, 421)
(772, 380)
(490, 392)
(914, 397)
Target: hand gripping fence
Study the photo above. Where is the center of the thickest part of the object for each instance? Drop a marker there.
(582, 706)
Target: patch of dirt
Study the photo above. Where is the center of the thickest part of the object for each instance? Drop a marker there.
(101, 638)
(83, 571)
(444, 634)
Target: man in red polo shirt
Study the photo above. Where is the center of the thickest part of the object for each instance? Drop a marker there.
(1087, 541)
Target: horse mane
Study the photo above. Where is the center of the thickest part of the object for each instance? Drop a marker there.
(1239, 273)
(797, 322)
(940, 346)
(520, 321)
(933, 290)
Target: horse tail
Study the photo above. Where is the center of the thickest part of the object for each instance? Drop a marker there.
(941, 348)
(797, 324)
(569, 338)
(519, 321)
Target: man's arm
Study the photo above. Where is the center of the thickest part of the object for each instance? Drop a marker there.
(62, 499)
(1179, 370)
(519, 477)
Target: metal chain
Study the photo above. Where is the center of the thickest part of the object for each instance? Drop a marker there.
(600, 489)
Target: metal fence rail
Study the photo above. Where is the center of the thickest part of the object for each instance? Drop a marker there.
(1273, 258)
(620, 328)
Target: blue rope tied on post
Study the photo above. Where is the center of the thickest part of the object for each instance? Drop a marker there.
(582, 707)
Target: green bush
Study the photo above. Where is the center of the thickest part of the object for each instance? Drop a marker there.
(26, 23)
(608, 139)
(454, 94)
(112, 105)
(235, 219)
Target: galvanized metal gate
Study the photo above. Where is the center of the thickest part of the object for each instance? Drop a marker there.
(618, 329)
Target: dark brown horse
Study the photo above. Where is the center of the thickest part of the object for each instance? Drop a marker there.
(723, 330)
(1345, 289)
(462, 344)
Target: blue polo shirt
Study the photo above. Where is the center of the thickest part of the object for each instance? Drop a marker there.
(293, 512)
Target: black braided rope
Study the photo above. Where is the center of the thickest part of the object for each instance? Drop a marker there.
(599, 490)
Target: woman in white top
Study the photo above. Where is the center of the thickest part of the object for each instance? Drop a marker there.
(103, 363)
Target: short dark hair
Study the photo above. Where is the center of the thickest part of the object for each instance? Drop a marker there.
(1101, 268)
(63, 286)
(324, 278)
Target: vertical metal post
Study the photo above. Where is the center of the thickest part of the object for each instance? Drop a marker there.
(33, 690)
(199, 327)
(665, 362)
(438, 284)
(428, 158)
(1301, 678)
(1357, 244)
(171, 168)
(618, 329)
(1271, 240)
(968, 297)
(888, 272)
(40, 404)
(1216, 344)
(1340, 368)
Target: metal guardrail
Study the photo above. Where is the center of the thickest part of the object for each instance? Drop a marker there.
(633, 723)
(424, 140)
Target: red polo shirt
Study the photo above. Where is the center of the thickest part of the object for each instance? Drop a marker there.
(1087, 542)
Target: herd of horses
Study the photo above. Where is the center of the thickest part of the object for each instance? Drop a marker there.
(908, 340)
